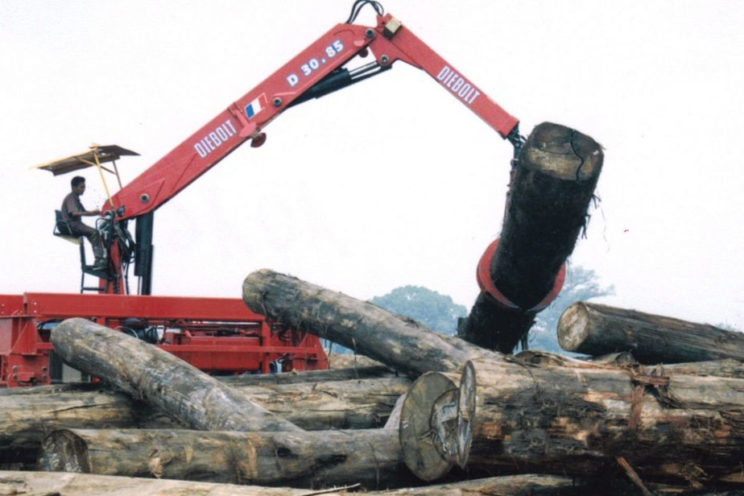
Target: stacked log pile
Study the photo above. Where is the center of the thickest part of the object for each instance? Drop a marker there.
(442, 416)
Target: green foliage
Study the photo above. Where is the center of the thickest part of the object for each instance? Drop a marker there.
(429, 308)
(580, 285)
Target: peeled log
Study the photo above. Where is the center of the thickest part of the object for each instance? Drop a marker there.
(360, 326)
(595, 329)
(161, 379)
(551, 188)
(370, 457)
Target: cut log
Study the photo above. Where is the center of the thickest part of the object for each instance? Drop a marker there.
(74, 484)
(371, 457)
(577, 420)
(595, 329)
(25, 419)
(161, 379)
(360, 326)
(552, 184)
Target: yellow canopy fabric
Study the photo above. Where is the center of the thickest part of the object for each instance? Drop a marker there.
(105, 153)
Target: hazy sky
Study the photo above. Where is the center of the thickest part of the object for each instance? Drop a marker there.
(392, 181)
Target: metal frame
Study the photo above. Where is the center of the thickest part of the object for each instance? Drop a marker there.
(217, 335)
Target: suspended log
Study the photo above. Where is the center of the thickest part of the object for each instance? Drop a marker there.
(360, 326)
(552, 184)
(595, 329)
(75, 484)
(309, 459)
(161, 379)
(494, 326)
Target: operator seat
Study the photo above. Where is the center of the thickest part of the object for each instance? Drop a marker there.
(63, 230)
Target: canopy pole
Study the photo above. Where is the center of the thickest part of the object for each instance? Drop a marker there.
(100, 171)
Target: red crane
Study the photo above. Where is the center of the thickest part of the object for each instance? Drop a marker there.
(216, 335)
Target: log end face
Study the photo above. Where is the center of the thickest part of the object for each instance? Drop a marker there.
(428, 426)
(573, 327)
(562, 152)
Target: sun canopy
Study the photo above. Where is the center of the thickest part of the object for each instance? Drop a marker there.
(96, 155)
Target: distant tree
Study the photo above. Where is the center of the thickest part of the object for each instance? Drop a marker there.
(580, 285)
(429, 308)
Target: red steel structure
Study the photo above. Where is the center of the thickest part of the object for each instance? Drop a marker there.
(216, 335)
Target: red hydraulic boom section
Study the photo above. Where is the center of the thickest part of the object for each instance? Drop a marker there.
(244, 119)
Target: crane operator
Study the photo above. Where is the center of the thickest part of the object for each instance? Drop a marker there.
(72, 213)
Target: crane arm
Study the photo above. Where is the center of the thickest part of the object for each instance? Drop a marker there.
(317, 70)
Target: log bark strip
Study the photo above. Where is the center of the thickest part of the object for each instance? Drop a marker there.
(360, 326)
(552, 185)
(596, 329)
(371, 457)
(163, 380)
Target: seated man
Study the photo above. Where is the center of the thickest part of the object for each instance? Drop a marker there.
(72, 213)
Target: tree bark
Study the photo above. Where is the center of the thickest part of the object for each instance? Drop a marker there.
(360, 326)
(371, 457)
(551, 187)
(596, 329)
(161, 379)
(75, 484)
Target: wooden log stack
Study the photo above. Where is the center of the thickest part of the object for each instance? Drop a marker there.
(457, 419)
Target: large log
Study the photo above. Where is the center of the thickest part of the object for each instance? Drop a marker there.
(370, 457)
(579, 419)
(75, 484)
(160, 378)
(360, 326)
(595, 329)
(552, 184)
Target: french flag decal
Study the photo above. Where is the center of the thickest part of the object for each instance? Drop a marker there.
(256, 106)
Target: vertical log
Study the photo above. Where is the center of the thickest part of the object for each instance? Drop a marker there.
(553, 182)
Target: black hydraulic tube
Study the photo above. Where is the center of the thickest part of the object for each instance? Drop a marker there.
(143, 252)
